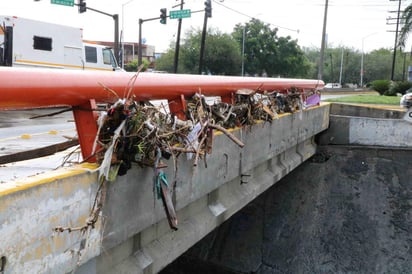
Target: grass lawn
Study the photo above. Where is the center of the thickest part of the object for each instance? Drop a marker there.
(367, 99)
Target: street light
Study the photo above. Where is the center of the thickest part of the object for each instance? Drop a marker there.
(361, 70)
(124, 4)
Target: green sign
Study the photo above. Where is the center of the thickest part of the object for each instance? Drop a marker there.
(63, 2)
(177, 14)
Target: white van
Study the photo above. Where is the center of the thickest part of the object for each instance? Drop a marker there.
(31, 43)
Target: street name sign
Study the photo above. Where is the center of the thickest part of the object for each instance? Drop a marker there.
(178, 14)
(63, 2)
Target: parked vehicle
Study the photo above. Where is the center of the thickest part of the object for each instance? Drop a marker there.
(31, 43)
(333, 85)
(406, 100)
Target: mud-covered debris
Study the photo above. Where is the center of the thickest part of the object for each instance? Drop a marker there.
(149, 127)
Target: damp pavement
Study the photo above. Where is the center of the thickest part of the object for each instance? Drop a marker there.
(18, 132)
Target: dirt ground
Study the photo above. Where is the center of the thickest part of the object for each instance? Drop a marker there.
(346, 210)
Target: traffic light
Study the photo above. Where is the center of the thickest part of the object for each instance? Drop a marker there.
(208, 8)
(163, 16)
(82, 6)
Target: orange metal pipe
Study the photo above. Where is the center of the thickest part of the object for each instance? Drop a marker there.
(30, 88)
(26, 88)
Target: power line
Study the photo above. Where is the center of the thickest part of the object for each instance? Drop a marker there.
(252, 17)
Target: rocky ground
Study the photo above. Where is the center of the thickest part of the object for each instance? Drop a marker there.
(347, 210)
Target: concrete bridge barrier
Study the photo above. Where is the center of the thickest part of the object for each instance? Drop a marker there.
(345, 210)
(132, 234)
(367, 125)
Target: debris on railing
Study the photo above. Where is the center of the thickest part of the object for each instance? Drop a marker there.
(148, 127)
(140, 132)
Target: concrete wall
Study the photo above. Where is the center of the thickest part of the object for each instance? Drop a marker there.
(361, 125)
(350, 213)
(32, 208)
(132, 234)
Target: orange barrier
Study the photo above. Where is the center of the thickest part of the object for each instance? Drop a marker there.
(24, 88)
(29, 88)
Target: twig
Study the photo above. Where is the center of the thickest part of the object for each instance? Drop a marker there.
(228, 134)
(199, 149)
(94, 214)
(109, 90)
(183, 149)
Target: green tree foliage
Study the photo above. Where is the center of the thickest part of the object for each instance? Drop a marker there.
(399, 87)
(407, 25)
(266, 53)
(166, 61)
(381, 86)
(312, 54)
(133, 65)
(340, 63)
(377, 65)
(221, 55)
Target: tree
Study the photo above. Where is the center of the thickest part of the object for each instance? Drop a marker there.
(377, 65)
(221, 56)
(166, 61)
(267, 54)
(133, 65)
(407, 26)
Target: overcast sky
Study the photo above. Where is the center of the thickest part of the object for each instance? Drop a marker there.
(351, 23)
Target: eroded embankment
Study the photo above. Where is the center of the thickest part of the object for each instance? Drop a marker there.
(347, 210)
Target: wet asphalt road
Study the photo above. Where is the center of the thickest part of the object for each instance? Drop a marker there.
(18, 132)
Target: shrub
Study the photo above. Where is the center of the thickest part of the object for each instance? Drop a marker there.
(399, 87)
(133, 67)
(381, 86)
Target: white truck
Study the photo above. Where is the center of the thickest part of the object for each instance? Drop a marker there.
(32, 43)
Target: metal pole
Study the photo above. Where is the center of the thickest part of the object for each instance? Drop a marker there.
(341, 68)
(116, 29)
(202, 44)
(178, 41)
(322, 48)
(122, 39)
(362, 57)
(139, 57)
(396, 41)
(361, 66)
(116, 36)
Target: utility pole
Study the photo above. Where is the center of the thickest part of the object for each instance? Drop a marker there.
(396, 39)
(178, 40)
(163, 17)
(322, 48)
(341, 68)
(139, 56)
(208, 13)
